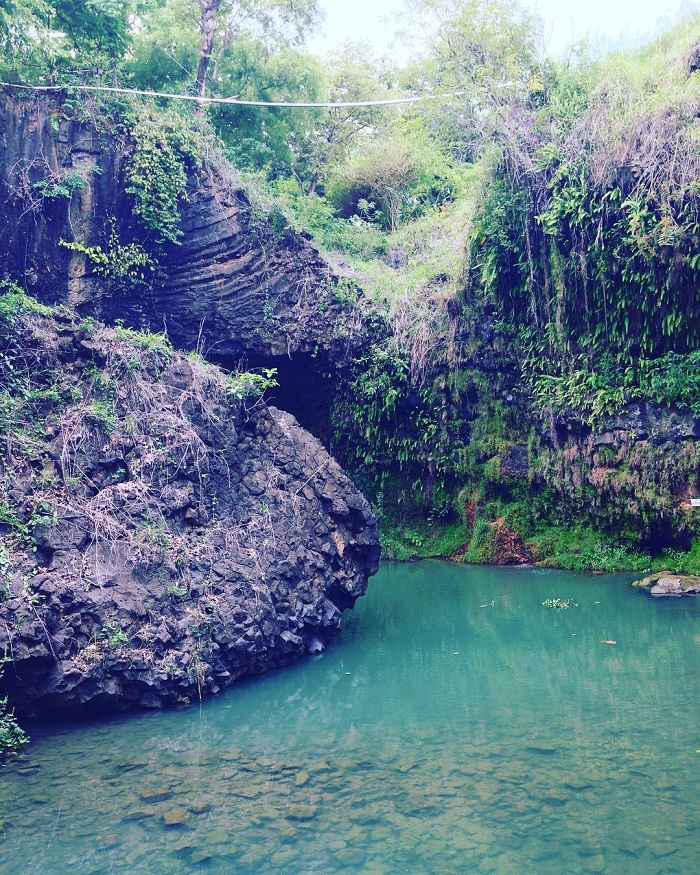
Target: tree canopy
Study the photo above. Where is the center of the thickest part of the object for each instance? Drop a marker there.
(591, 158)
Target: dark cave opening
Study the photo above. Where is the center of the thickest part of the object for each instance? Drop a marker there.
(306, 387)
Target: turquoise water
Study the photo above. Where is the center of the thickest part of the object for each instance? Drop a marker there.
(456, 725)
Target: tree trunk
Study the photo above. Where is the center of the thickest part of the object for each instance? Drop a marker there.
(207, 27)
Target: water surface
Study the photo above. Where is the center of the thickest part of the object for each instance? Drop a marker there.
(456, 725)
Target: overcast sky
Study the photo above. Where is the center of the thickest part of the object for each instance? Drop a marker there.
(371, 21)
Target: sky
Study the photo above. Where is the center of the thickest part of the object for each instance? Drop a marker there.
(565, 21)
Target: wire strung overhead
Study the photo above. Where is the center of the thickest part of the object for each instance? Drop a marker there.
(235, 100)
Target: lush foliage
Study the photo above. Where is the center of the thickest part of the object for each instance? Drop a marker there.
(14, 301)
(593, 392)
(58, 38)
(162, 155)
(529, 237)
(250, 384)
(12, 736)
(163, 150)
(117, 261)
(588, 238)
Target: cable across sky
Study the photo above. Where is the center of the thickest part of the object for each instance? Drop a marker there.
(236, 101)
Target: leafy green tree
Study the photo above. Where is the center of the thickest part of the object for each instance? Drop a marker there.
(164, 48)
(200, 36)
(394, 179)
(238, 48)
(25, 39)
(485, 55)
(489, 47)
(163, 55)
(259, 137)
(41, 38)
(96, 29)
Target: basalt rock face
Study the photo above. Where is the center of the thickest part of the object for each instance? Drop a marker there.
(638, 468)
(161, 538)
(240, 283)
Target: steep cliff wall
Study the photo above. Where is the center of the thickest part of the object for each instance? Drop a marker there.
(238, 285)
(239, 282)
(467, 459)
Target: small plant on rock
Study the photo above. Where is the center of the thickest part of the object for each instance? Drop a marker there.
(112, 634)
(12, 737)
(248, 384)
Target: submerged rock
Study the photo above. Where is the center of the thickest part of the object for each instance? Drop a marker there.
(301, 811)
(176, 816)
(163, 536)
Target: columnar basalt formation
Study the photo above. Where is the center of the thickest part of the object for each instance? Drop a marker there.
(238, 283)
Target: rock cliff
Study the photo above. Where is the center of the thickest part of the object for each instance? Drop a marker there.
(637, 470)
(162, 531)
(238, 283)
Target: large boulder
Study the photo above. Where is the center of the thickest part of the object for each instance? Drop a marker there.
(163, 532)
(666, 583)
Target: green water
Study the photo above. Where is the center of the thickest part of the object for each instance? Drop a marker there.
(455, 726)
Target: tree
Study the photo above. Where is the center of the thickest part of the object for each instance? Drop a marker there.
(489, 47)
(397, 178)
(260, 137)
(25, 40)
(324, 138)
(39, 38)
(207, 28)
(485, 56)
(164, 50)
(97, 32)
(221, 22)
(201, 44)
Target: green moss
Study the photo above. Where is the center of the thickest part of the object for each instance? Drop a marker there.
(14, 301)
(157, 343)
(420, 540)
(482, 546)
(580, 548)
